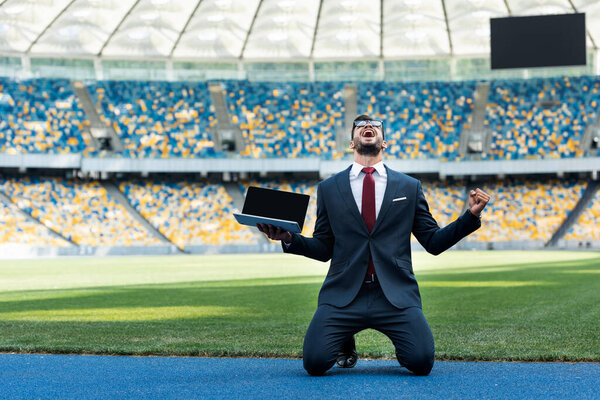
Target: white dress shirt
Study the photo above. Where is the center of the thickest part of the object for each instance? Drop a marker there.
(356, 184)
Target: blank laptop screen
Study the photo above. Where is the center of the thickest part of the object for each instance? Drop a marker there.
(277, 204)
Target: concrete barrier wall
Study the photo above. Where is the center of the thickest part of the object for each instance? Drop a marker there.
(11, 252)
(8, 252)
(309, 164)
(508, 245)
(578, 244)
(235, 249)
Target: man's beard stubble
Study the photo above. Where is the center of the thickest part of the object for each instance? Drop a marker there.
(368, 149)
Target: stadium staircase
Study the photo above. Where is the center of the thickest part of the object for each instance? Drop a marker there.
(226, 130)
(234, 191)
(591, 130)
(351, 111)
(476, 138)
(6, 200)
(114, 191)
(573, 216)
(100, 132)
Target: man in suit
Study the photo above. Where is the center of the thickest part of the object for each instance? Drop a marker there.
(365, 215)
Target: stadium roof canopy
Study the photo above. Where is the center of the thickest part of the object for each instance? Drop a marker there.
(210, 30)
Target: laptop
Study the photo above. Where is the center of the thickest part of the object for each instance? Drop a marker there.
(286, 210)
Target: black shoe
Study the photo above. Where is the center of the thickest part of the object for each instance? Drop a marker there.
(348, 357)
(347, 360)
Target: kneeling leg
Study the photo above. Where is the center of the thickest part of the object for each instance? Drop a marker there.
(324, 339)
(413, 340)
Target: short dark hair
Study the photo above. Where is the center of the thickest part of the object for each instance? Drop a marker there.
(364, 117)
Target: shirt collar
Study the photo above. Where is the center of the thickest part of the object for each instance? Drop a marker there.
(357, 168)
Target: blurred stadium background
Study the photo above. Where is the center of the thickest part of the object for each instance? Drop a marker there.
(134, 127)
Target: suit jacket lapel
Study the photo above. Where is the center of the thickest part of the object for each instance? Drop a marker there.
(391, 186)
(343, 184)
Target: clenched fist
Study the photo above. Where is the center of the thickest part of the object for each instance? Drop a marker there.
(478, 199)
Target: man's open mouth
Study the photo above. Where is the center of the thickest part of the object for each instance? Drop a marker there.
(368, 133)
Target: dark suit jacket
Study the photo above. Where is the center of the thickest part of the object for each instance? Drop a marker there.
(341, 235)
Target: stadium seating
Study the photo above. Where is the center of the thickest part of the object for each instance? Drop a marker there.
(526, 209)
(157, 119)
(82, 212)
(41, 116)
(199, 213)
(286, 119)
(188, 213)
(528, 118)
(423, 119)
(523, 128)
(17, 230)
(445, 200)
(587, 226)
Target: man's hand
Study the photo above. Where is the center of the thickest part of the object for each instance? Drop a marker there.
(477, 201)
(275, 233)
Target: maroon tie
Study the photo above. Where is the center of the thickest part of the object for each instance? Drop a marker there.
(368, 208)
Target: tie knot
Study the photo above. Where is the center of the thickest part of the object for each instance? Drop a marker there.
(368, 170)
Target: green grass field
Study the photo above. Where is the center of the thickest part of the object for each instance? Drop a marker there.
(480, 305)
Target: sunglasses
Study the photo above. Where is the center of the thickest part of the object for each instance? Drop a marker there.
(373, 122)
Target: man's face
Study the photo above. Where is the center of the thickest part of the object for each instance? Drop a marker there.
(368, 140)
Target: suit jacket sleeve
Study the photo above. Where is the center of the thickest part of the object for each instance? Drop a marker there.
(433, 238)
(320, 246)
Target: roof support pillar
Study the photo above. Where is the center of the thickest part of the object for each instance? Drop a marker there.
(241, 72)
(26, 66)
(170, 73)
(98, 69)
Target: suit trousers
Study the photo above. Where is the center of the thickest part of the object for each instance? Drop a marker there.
(333, 327)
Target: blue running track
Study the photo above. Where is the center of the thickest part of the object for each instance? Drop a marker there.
(105, 377)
